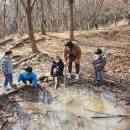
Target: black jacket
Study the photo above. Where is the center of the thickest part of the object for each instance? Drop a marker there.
(59, 68)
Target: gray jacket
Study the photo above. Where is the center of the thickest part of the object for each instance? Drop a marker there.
(6, 65)
(101, 62)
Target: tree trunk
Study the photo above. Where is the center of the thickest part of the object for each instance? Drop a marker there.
(17, 17)
(71, 21)
(42, 19)
(30, 27)
(63, 16)
(4, 14)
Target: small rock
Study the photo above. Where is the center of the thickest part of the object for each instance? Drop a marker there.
(38, 57)
(24, 64)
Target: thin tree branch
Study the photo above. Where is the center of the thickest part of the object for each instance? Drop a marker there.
(23, 4)
(33, 3)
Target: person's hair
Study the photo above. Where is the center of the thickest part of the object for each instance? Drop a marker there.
(8, 52)
(98, 51)
(57, 56)
(28, 69)
(69, 44)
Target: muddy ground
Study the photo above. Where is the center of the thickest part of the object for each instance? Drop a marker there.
(79, 106)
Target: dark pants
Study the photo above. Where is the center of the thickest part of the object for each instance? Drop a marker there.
(25, 80)
(8, 79)
(77, 66)
(98, 76)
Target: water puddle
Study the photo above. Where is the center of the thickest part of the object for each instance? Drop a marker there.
(71, 108)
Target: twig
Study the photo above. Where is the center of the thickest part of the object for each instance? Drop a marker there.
(54, 118)
(4, 123)
(53, 98)
(36, 113)
(13, 101)
(78, 116)
(2, 117)
(98, 117)
(96, 112)
(59, 121)
(128, 98)
(127, 103)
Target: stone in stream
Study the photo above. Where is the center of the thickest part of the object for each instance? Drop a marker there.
(38, 57)
(49, 97)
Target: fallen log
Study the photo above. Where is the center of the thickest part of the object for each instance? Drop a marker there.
(12, 91)
(5, 41)
(20, 43)
(45, 56)
(25, 41)
(17, 45)
(15, 64)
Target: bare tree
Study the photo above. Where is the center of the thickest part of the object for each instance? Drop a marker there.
(71, 4)
(28, 6)
(42, 18)
(4, 12)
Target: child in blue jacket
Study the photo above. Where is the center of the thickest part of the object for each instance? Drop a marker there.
(28, 75)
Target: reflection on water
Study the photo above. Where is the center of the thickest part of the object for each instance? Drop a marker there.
(72, 109)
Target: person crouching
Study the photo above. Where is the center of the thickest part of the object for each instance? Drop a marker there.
(28, 75)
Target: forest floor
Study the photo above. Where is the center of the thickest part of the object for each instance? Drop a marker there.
(80, 105)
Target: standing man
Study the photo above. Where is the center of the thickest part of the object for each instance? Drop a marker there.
(7, 69)
(72, 53)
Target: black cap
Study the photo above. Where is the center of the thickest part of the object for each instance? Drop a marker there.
(28, 69)
(69, 44)
(98, 51)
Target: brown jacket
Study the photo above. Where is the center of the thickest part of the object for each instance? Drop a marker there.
(74, 53)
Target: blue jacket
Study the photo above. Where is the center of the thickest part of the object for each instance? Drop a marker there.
(28, 76)
(6, 65)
